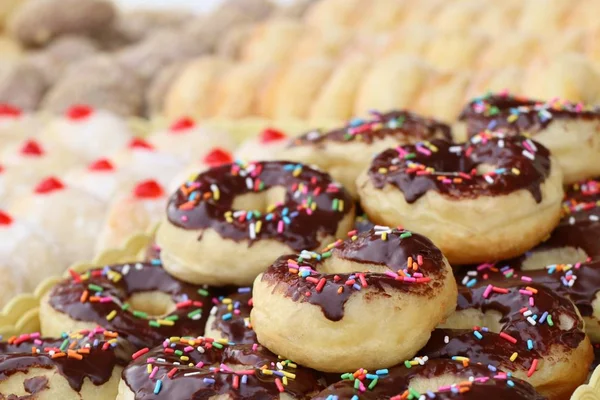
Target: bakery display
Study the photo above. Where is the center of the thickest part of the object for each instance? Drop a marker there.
(326, 199)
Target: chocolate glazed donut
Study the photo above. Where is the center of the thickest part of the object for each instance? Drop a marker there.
(96, 355)
(200, 368)
(468, 381)
(281, 207)
(492, 196)
(569, 130)
(377, 281)
(525, 329)
(230, 318)
(101, 296)
(347, 151)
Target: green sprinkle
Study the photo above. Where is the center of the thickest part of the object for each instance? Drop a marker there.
(407, 364)
(64, 344)
(194, 313)
(373, 383)
(356, 384)
(549, 320)
(347, 375)
(217, 345)
(179, 352)
(173, 317)
(95, 288)
(334, 204)
(405, 235)
(410, 156)
(203, 292)
(154, 324)
(327, 254)
(140, 314)
(414, 393)
(125, 307)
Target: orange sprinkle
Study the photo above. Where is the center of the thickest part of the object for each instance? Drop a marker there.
(83, 350)
(533, 290)
(74, 354)
(59, 355)
(84, 296)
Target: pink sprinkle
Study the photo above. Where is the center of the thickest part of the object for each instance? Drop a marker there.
(254, 347)
(531, 302)
(153, 373)
(423, 151)
(401, 151)
(526, 292)
(407, 279)
(280, 226)
(484, 266)
(184, 218)
(150, 360)
(420, 259)
(200, 365)
(188, 349)
(526, 279)
(487, 291)
(106, 300)
(391, 274)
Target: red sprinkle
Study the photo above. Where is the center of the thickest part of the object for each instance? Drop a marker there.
(508, 337)
(138, 143)
(49, 185)
(182, 124)
(533, 367)
(321, 284)
(102, 164)
(79, 112)
(76, 277)
(272, 135)
(140, 353)
(32, 148)
(5, 219)
(9, 110)
(171, 373)
(149, 189)
(218, 156)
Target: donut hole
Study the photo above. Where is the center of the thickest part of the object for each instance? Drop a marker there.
(423, 385)
(563, 255)
(466, 319)
(260, 201)
(565, 322)
(155, 304)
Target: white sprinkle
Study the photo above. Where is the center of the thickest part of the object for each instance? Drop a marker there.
(125, 269)
(528, 155)
(213, 310)
(446, 339)
(571, 220)
(249, 183)
(465, 280)
(455, 149)
(381, 227)
(594, 218)
(531, 320)
(251, 231)
(527, 313)
(200, 349)
(472, 273)
(192, 373)
(500, 143)
(488, 179)
(531, 144)
(139, 266)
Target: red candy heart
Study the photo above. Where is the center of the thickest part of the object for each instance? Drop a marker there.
(5, 219)
(32, 148)
(217, 157)
(272, 135)
(102, 164)
(79, 112)
(149, 189)
(7, 110)
(138, 143)
(49, 185)
(182, 124)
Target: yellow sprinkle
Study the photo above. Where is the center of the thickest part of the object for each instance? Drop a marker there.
(459, 358)
(313, 206)
(267, 372)
(271, 208)
(174, 339)
(184, 358)
(149, 368)
(341, 205)
(384, 236)
(289, 374)
(512, 118)
(382, 170)
(284, 381)
(227, 301)
(515, 171)
(111, 315)
(166, 322)
(230, 307)
(297, 172)
(513, 357)
(258, 226)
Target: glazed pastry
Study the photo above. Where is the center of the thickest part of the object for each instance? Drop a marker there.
(568, 130)
(214, 158)
(230, 318)
(442, 94)
(139, 301)
(27, 257)
(142, 161)
(191, 368)
(346, 152)
(493, 197)
(69, 217)
(429, 379)
(80, 365)
(405, 281)
(22, 84)
(522, 328)
(88, 132)
(37, 22)
(265, 147)
(273, 41)
(16, 125)
(261, 209)
(188, 140)
(131, 212)
(100, 178)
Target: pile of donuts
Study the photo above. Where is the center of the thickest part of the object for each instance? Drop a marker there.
(395, 257)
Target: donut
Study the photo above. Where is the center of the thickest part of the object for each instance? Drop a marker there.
(139, 301)
(567, 261)
(230, 318)
(189, 141)
(143, 161)
(131, 212)
(493, 197)
(261, 209)
(265, 147)
(191, 368)
(429, 379)
(68, 217)
(88, 132)
(26, 257)
(217, 156)
(323, 300)
(85, 364)
(568, 130)
(346, 152)
(526, 329)
(100, 177)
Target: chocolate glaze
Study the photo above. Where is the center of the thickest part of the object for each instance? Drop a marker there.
(65, 297)
(455, 167)
(578, 228)
(97, 366)
(403, 125)
(486, 385)
(232, 315)
(210, 382)
(367, 248)
(36, 384)
(519, 115)
(304, 228)
(493, 349)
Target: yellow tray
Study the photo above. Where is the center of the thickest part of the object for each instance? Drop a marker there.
(21, 314)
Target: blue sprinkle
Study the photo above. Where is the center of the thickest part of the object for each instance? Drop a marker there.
(155, 261)
(543, 317)
(371, 376)
(382, 371)
(355, 397)
(286, 220)
(529, 344)
(209, 381)
(478, 335)
(285, 211)
(430, 394)
(244, 379)
(289, 167)
(158, 386)
(510, 383)
(356, 286)
(227, 316)
(244, 290)
(472, 282)
(269, 217)
(492, 368)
